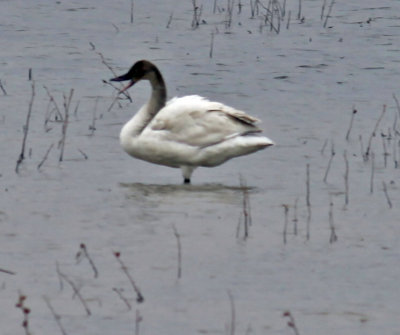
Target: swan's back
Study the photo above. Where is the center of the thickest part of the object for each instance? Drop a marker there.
(198, 122)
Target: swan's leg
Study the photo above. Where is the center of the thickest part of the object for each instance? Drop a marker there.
(187, 173)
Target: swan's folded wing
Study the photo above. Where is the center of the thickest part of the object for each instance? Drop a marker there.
(198, 122)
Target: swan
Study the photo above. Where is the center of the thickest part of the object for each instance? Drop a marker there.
(185, 132)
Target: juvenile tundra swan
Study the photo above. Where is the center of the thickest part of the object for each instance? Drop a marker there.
(185, 132)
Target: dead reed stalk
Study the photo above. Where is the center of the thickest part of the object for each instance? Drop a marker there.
(138, 319)
(139, 296)
(323, 10)
(299, 11)
(3, 88)
(197, 11)
(56, 316)
(122, 297)
(46, 155)
(7, 271)
(178, 242)
(286, 211)
(77, 293)
(373, 134)
(387, 195)
(328, 15)
(295, 219)
(212, 45)
(132, 6)
(232, 325)
(246, 210)
(333, 237)
(308, 202)
(83, 253)
(351, 124)
(329, 162)
(26, 129)
(371, 184)
(291, 322)
(169, 20)
(61, 143)
(385, 152)
(346, 179)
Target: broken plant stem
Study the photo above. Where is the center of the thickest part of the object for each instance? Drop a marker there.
(351, 124)
(122, 297)
(246, 208)
(371, 187)
(178, 242)
(139, 296)
(7, 271)
(329, 162)
(346, 179)
(387, 195)
(328, 15)
(333, 236)
(61, 143)
(138, 319)
(232, 325)
(308, 202)
(373, 134)
(291, 323)
(212, 44)
(64, 277)
(26, 129)
(2, 88)
(84, 253)
(132, 6)
(286, 211)
(46, 155)
(295, 219)
(56, 316)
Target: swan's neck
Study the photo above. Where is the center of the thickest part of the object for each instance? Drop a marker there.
(158, 94)
(157, 101)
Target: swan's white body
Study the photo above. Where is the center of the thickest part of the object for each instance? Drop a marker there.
(188, 132)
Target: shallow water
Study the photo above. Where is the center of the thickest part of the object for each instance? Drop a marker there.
(303, 83)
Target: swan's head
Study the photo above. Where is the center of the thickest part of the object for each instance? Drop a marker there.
(141, 70)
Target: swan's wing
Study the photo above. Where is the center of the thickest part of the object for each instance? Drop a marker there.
(196, 121)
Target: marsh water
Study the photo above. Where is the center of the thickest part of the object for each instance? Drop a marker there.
(304, 83)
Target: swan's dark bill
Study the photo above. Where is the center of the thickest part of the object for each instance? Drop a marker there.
(186, 132)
